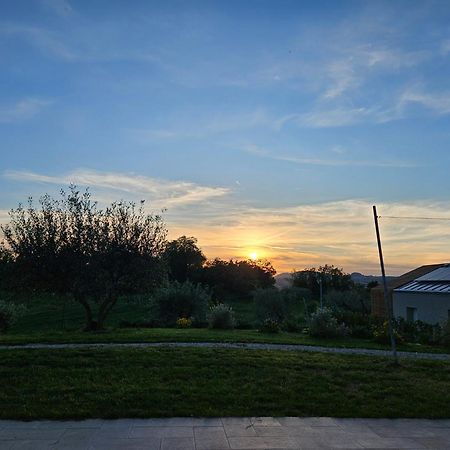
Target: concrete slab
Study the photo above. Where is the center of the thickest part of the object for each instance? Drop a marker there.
(225, 433)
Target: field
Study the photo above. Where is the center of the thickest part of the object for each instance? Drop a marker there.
(63, 384)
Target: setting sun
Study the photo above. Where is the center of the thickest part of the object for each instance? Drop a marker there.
(253, 256)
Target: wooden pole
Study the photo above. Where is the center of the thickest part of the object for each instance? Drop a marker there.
(387, 301)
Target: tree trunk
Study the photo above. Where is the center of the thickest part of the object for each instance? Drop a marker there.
(91, 324)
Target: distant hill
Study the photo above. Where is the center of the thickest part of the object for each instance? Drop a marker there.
(359, 278)
(284, 280)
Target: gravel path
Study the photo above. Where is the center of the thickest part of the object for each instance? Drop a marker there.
(249, 346)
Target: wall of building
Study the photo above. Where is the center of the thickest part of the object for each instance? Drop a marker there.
(431, 308)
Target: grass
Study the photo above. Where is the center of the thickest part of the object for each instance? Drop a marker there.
(50, 319)
(111, 383)
(200, 335)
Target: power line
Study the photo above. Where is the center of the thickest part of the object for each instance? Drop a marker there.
(413, 218)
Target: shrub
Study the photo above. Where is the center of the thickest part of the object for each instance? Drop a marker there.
(180, 300)
(324, 324)
(269, 326)
(293, 325)
(361, 325)
(184, 322)
(354, 300)
(9, 313)
(269, 304)
(445, 333)
(222, 317)
(381, 333)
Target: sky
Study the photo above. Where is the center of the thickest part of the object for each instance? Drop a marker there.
(267, 127)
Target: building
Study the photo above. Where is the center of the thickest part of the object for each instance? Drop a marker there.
(421, 294)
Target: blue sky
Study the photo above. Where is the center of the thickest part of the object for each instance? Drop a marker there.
(267, 126)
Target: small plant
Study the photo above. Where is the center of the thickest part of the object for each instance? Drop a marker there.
(381, 333)
(9, 313)
(324, 324)
(180, 300)
(184, 322)
(270, 326)
(269, 304)
(221, 317)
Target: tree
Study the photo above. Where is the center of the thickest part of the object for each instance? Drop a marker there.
(71, 246)
(237, 278)
(331, 277)
(184, 258)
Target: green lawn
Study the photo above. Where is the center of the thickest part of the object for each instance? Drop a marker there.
(51, 320)
(109, 383)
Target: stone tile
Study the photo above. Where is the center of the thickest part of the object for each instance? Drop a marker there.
(397, 443)
(204, 432)
(238, 430)
(270, 431)
(126, 444)
(236, 421)
(206, 422)
(291, 421)
(33, 445)
(178, 444)
(6, 445)
(161, 432)
(262, 442)
(211, 443)
(319, 422)
(433, 442)
(337, 441)
(120, 424)
(265, 422)
(169, 422)
(26, 434)
(403, 431)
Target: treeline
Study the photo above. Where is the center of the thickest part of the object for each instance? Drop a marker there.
(69, 246)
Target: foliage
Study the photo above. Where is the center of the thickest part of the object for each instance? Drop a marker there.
(381, 333)
(236, 278)
(184, 322)
(9, 313)
(324, 324)
(356, 299)
(332, 278)
(269, 304)
(184, 258)
(270, 326)
(360, 325)
(221, 317)
(180, 300)
(71, 246)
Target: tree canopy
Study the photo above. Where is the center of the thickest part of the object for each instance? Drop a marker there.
(184, 258)
(331, 277)
(71, 246)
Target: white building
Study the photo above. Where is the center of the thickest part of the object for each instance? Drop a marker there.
(426, 298)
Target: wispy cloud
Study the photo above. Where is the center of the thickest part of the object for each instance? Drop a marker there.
(22, 109)
(439, 103)
(318, 161)
(161, 193)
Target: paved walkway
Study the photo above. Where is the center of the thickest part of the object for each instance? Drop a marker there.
(226, 433)
(251, 346)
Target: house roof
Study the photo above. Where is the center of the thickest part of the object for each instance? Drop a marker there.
(435, 281)
(411, 276)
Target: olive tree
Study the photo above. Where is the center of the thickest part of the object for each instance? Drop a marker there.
(71, 246)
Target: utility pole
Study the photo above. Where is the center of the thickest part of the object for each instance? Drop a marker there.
(387, 302)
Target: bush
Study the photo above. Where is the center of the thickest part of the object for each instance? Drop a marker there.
(381, 333)
(360, 325)
(269, 304)
(221, 317)
(9, 313)
(180, 300)
(324, 324)
(270, 326)
(184, 322)
(354, 300)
